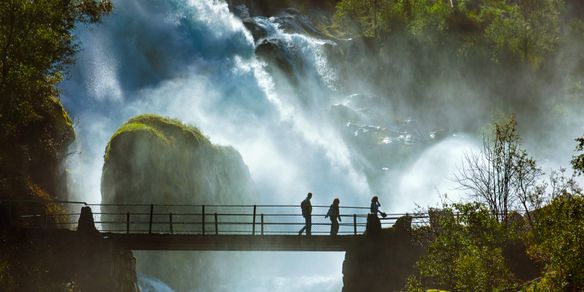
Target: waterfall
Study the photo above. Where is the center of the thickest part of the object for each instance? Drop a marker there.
(195, 61)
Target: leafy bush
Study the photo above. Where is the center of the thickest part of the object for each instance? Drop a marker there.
(465, 251)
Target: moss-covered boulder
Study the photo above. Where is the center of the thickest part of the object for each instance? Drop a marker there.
(156, 160)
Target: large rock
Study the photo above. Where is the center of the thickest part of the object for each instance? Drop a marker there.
(156, 160)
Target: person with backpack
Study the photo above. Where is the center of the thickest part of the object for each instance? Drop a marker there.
(333, 214)
(307, 214)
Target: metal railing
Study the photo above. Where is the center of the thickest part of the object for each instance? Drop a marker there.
(208, 219)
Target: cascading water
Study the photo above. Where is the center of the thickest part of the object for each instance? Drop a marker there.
(195, 61)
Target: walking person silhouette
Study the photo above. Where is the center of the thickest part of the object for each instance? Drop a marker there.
(307, 214)
(333, 214)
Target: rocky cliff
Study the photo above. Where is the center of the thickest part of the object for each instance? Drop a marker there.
(31, 156)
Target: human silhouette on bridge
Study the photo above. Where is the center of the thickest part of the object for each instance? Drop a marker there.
(373, 222)
(375, 207)
(307, 214)
(333, 214)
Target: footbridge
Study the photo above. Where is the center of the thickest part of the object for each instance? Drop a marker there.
(209, 227)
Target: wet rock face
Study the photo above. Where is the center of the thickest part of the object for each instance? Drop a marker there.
(154, 160)
(272, 50)
(287, 39)
(291, 20)
(257, 31)
(287, 20)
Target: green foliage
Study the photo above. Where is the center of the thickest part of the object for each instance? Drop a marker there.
(578, 161)
(557, 241)
(164, 129)
(414, 284)
(528, 30)
(353, 17)
(465, 252)
(429, 19)
(36, 43)
(469, 249)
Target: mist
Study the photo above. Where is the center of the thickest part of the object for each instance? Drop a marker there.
(297, 131)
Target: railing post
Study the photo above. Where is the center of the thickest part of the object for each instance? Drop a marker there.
(355, 224)
(254, 220)
(203, 219)
(170, 220)
(128, 222)
(262, 224)
(216, 225)
(151, 215)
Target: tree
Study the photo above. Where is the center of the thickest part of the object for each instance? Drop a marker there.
(578, 161)
(529, 29)
(557, 242)
(36, 45)
(465, 252)
(359, 17)
(502, 173)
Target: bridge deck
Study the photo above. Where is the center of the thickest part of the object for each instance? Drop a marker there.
(199, 227)
(233, 242)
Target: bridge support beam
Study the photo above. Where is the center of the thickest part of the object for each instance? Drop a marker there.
(208, 242)
(382, 262)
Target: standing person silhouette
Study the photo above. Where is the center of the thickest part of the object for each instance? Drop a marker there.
(375, 207)
(307, 214)
(373, 222)
(333, 213)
